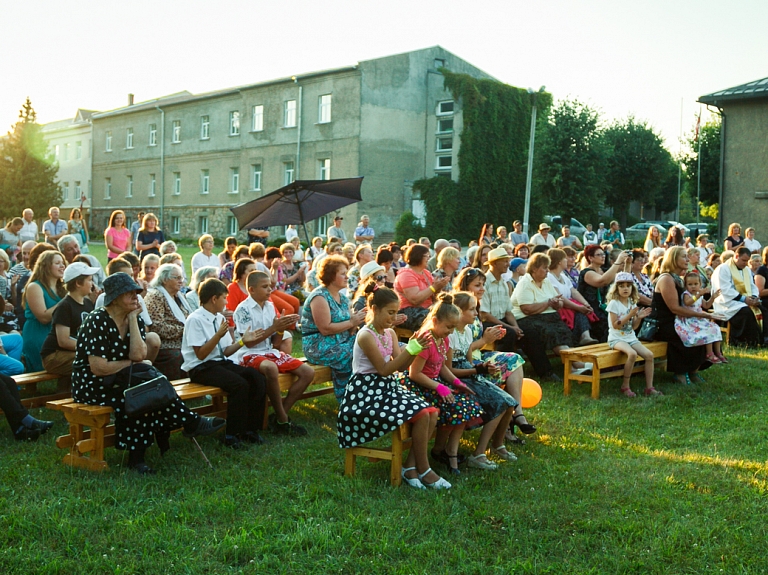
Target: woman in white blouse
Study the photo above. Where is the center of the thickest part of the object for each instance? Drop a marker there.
(575, 311)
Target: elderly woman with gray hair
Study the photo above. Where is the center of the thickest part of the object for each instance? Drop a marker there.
(168, 309)
(199, 277)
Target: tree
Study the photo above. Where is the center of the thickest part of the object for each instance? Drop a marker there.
(639, 168)
(710, 162)
(27, 169)
(570, 161)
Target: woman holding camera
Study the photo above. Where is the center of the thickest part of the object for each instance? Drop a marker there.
(593, 285)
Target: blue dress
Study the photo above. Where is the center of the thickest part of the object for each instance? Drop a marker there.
(335, 350)
(34, 332)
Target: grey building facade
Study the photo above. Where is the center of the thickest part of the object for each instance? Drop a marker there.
(190, 157)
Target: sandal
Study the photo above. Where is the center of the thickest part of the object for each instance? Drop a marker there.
(698, 379)
(502, 453)
(415, 482)
(722, 358)
(439, 484)
(683, 378)
(526, 428)
(628, 392)
(481, 462)
(713, 359)
(511, 437)
(652, 391)
(453, 470)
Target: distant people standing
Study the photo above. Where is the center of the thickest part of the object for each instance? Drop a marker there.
(135, 230)
(258, 234)
(543, 238)
(750, 241)
(590, 237)
(117, 237)
(601, 232)
(54, 228)
(614, 235)
(734, 239)
(77, 227)
(335, 231)
(568, 240)
(486, 235)
(150, 236)
(29, 230)
(364, 233)
(518, 236)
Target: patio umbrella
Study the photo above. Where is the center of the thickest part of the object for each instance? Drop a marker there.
(298, 202)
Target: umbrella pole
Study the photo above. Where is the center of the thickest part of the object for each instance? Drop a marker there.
(301, 217)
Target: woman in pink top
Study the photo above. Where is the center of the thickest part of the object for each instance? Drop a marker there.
(416, 288)
(117, 237)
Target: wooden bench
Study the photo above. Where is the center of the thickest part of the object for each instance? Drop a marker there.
(602, 358)
(401, 441)
(91, 430)
(29, 382)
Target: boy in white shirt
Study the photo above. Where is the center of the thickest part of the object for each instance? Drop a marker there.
(258, 314)
(206, 346)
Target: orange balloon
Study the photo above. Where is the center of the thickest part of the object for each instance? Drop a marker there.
(531, 394)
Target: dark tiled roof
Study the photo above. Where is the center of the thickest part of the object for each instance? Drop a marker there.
(750, 90)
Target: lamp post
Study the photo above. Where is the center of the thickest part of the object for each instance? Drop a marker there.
(527, 211)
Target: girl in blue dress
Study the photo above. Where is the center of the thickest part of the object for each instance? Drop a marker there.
(41, 296)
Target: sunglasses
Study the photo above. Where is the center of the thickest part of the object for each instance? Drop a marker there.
(380, 278)
(472, 272)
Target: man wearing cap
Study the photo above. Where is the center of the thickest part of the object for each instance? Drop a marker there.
(518, 236)
(335, 231)
(58, 351)
(364, 234)
(543, 238)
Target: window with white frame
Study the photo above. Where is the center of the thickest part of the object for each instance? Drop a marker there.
(232, 226)
(176, 132)
(444, 144)
(287, 173)
(444, 162)
(234, 180)
(256, 177)
(65, 190)
(153, 134)
(202, 224)
(321, 225)
(129, 138)
(324, 109)
(66, 152)
(78, 150)
(152, 185)
(205, 181)
(445, 126)
(205, 127)
(234, 123)
(289, 115)
(78, 191)
(445, 108)
(324, 169)
(175, 225)
(107, 188)
(129, 187)
(176, 183)
(108, 141)
(257, 124)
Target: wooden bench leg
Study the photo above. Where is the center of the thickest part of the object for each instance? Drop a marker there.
(396, 467)
(349, 462)
(567, 377)
(595, 381)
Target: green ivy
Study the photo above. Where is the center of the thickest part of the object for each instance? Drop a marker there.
(492, 159)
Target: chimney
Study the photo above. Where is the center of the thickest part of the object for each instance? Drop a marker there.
(130, 99)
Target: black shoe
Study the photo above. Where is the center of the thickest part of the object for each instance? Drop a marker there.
(206, 426)
(143, 469)
(233, 442)
(443, 458)
(43, 426)
(452, 470)
(289, 428)
(526, 428)
(252, 437)
(27, 434)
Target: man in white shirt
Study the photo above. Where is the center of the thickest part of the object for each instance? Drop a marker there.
(29, 230)
(738, 301)
(600, 232)
(543, 238)
(590, 237)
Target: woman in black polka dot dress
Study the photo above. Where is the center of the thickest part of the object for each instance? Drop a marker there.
(109, 340)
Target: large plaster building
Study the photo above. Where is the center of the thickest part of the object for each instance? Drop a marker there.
(190, 157)
(744, 154)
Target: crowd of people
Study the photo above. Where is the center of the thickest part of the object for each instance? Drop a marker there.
(232, 322)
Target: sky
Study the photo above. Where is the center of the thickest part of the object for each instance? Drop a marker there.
(647, 58)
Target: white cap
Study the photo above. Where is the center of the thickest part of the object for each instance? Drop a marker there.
(78, 269)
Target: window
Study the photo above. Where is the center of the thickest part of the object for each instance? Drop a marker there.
(444, 144)
(234, 178)
(202, 224)
(152, 185)
(107, 188)
(234, 123)
(324, 109)
(175, 225)
(289, 117)
(439, 63)
(153, 134)
(287, 173)
(325, 169)
(445, 126)
(258, 118)
(176, 183)
(444, 162)
(205, 127)
(205, 181)
(78, 150)
(256, 177)
(129, 187)
(65, 190)
(232, 226)
(78, 191)
(176, 132)
(444, 108)
(108, 141)
(129, 138)
(321, 225)
(66, 152)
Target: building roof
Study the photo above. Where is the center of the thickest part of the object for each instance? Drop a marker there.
(748, 91)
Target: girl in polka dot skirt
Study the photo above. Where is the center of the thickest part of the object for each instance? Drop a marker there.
(429, 371)
(374, 402)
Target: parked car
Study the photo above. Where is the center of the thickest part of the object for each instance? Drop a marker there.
(577, 228)
(638, 232)
(669, 223)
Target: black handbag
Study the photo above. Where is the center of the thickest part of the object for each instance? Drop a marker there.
(648, 329)
(148, 390)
